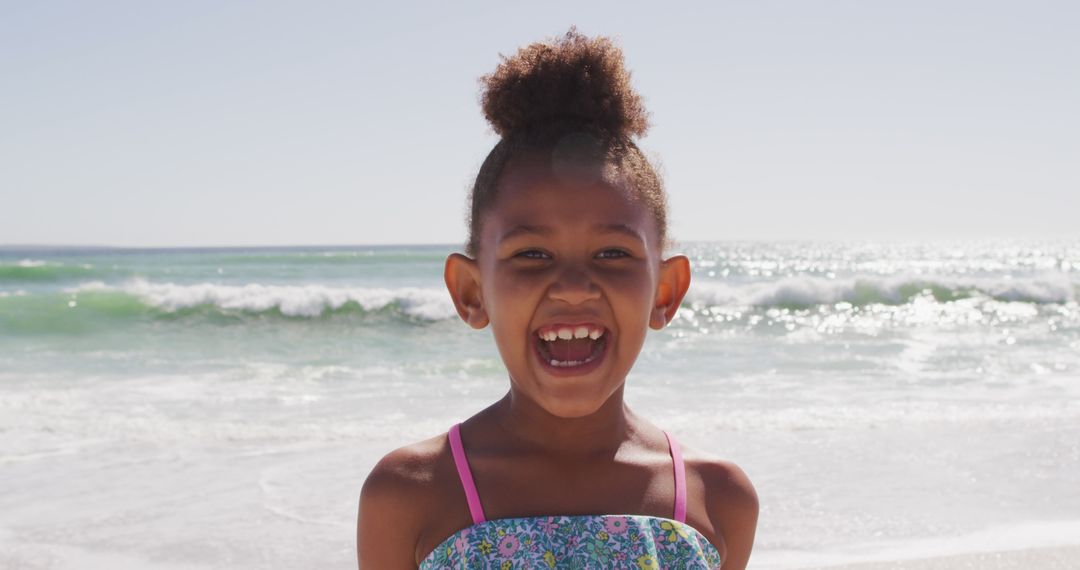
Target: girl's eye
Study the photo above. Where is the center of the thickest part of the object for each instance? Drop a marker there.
(531, 254)
(613, 254)
(539, 255)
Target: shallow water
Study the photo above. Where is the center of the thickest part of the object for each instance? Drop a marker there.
(220, 408)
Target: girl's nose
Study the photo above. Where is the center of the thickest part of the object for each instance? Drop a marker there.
(574, 286)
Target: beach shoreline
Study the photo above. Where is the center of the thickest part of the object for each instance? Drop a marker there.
(1049, 558)
(1022, 545)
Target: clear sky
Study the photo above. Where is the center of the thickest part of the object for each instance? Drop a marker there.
(199, 123)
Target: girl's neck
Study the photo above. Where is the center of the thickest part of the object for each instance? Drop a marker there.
(532, 427)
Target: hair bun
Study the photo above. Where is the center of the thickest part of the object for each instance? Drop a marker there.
(571, 79)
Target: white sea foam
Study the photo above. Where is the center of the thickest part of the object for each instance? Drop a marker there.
(31, 263)
(817, 417)
(812, 290)
(291, 300)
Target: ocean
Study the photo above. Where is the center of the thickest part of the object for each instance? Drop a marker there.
(220, 408)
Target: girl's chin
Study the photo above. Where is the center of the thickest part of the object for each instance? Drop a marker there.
(574, 410)
(569, 402)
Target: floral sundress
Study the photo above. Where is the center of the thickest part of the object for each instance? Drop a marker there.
(576, 542)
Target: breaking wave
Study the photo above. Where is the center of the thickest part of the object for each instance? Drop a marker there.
(297, 301)
(95, 305)
(803, 292)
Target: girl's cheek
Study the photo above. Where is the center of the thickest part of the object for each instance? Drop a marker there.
(518, 283)
(628, 284)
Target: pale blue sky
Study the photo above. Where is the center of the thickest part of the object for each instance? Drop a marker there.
(276, 123)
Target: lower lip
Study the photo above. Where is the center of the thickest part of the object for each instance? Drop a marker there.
(571, 370)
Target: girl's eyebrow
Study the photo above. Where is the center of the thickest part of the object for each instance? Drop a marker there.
(524, 229)
(619, 229)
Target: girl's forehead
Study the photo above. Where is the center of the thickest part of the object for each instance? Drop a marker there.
(553, 201)
(568, 213)
(531, 194)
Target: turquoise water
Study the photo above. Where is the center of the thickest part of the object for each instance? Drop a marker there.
(142, 391)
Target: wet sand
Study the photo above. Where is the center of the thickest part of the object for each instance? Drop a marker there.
(1057, 558)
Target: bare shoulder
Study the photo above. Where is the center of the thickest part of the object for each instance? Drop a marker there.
(408, 468)
(727, 486)
(398, 494)
(730, 503)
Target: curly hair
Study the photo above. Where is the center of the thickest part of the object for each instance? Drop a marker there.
(571, 97)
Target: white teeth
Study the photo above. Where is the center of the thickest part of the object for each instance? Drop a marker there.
(568, 333)
(569, 363)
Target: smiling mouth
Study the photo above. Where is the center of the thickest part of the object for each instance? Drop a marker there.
(571, 349)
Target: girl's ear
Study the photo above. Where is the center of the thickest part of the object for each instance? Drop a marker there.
(462, 277)
(670, 290)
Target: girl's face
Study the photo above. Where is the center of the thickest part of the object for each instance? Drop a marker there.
(563, 257)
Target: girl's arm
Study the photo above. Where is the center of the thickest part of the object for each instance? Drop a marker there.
(387, 523)
(733, 507)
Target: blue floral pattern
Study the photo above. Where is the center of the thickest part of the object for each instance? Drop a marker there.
(576, 542)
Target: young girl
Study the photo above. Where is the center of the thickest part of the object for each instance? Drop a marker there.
(567, 232)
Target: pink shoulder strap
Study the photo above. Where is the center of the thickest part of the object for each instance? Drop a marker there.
(680, 478)
(462, 464)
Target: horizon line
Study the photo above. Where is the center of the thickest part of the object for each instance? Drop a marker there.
(940, 239)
